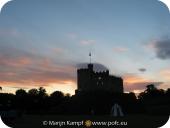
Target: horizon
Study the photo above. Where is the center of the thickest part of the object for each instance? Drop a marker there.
(97, 68)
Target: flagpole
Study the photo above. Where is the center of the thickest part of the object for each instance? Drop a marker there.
(90, 57)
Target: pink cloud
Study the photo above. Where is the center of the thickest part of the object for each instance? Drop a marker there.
(87, 42)
(15, 61)
(151, 46)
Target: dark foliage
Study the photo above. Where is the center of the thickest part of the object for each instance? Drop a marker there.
(152, 101)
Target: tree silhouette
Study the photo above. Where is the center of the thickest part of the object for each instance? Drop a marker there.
(57, 94)
(42, 92)
(21, 99)
(155, 100)
(56, 98)
(132, 96)
(150, 88)
(33, 92)
(151, 92)
(168, 92)
(21, 93)
(99, 102)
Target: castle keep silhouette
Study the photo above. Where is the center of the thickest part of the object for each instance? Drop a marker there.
(89, 80)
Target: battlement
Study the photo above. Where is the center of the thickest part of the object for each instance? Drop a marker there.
(116, 77)
(88, 79)
(102, 72)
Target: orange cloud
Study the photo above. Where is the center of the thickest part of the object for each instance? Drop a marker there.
(66, 87)
(133, 79)
(24, 61)
(134, 83)
(27, 70)
(15, 61)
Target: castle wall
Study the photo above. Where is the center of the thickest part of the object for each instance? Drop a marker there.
(115, 84)
(83, 76)
(89, 80)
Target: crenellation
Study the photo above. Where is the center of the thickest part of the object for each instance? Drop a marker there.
(88, 80)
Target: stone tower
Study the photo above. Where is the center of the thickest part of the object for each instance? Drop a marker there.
(89, 80)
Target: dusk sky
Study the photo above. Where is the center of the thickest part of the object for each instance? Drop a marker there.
(42, 42)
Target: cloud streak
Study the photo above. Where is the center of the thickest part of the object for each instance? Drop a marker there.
(134, 82)
(26, 68)
(120, 49)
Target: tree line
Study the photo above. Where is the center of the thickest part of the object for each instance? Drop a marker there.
(36, 101)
